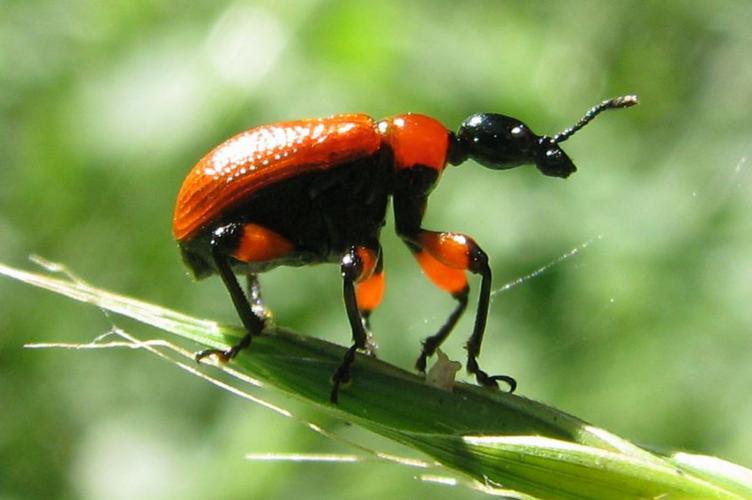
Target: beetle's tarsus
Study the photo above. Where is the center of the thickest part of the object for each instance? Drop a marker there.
(227, 354)
(512, 383)
(430, 345)
(223, 356)
(342, 376)
(489, 381)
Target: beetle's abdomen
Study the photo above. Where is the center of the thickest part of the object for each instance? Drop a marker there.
(261, 157)
(318, 214)
(324, 212)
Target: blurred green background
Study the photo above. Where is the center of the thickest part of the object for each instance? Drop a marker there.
(647, 332)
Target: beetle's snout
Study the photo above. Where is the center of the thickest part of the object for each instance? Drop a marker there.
(552, 161)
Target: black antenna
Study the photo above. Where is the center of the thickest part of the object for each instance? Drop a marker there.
(624, 101)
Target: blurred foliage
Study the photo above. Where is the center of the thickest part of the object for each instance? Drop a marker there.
(104, 106)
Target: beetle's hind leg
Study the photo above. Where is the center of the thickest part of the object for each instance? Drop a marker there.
(253, 324)
(245, 243)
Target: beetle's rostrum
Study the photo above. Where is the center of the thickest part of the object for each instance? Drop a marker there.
(316, 190)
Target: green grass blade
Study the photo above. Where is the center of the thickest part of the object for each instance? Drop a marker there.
(498, 439)
(550, 468)
(731, 477)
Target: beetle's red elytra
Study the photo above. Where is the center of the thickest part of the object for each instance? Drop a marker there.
(316, 190)
(262, 156)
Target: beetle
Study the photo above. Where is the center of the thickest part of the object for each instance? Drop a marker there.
(316, 190)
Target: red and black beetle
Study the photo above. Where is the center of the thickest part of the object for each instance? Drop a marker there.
(316, 190)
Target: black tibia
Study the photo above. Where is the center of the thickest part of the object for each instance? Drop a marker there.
(479, 265)
(221, 246)
(351, 267)
(431, 343)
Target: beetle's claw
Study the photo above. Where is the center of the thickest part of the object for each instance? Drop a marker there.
(512, 383)
(223, 356)
(489, 381)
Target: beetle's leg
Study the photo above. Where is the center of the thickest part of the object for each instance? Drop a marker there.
(357, 266)
(252, 323)
(450, 280)
(368, 295)
(409, 207)
(246, 243)
(443, 256)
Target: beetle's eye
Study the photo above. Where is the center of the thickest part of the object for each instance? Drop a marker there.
(552, 160)
(554, 155)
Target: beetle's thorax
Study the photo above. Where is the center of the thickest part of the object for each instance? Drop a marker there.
(415, 140)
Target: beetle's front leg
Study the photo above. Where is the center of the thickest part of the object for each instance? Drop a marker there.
(477, 262)
(444, 258)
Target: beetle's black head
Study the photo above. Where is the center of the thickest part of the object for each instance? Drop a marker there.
(501, 142)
